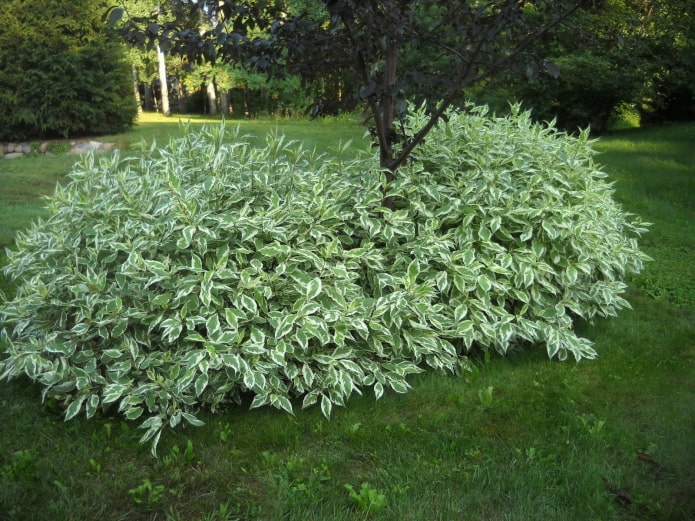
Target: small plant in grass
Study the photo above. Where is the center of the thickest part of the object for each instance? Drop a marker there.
(209, 269)
(147, 493)
(368, 498)
(485, 397)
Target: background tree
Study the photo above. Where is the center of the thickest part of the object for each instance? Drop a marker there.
(616, 56)
(669, 29)
(156, 17)
(62, 72)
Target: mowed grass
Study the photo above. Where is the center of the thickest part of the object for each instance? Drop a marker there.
(520, 438)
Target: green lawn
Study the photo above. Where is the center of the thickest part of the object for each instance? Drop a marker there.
(520, 438)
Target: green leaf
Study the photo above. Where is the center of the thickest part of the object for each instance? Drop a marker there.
(282, 402)
(285, 326)
(326, 406)
(400, 386)
(313, 289)
(113, 392)
(192, 419)
(484, 283)
(92, 404)
(200, 384)
(74, 407)
(133, 413)
(212, 324)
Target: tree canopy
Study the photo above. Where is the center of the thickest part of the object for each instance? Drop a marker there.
(423, 50)
(63, 72)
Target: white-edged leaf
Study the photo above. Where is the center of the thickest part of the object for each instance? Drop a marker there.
(257, 337)
(285, 326)
(201, 383)
(484, 283)
(282, 402)
(310, 399)
(400, 386)
(133, 413)
(91, 406)
(308, 375)
(232, 360)
(74, 407)
(378, 390)
(212, 324)
(232, 317)
(460, 312)
(326, 406)
(113, 392)
(260, 400)
(192, 419)
(313, 288)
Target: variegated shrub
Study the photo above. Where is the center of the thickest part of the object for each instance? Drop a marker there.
(210, 269)
(517, 230)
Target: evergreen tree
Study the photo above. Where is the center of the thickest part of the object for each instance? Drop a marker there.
(62, 71)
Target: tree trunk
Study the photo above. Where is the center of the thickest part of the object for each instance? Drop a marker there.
(183, 95)
(247, 103)
(149, 98)
(164, 87)
(224, 101)
(136, 88)
(212, 98)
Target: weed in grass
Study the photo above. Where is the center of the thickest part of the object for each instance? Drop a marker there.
(295, 478)
(592, 425)
(95, 465)
(21, 466)
(147, 493)
(222, 513)
(368, 499)
(485, 397)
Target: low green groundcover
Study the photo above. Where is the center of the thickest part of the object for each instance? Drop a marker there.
(210, 269)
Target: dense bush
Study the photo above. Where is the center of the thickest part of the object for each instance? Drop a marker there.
(62, 73)
(518, 231)
(209, 269)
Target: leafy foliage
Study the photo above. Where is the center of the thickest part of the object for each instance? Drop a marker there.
(63, 73)
(609, 57)
(517, 230)
(209, 269)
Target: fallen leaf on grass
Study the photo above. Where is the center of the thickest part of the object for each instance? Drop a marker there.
(621, 495)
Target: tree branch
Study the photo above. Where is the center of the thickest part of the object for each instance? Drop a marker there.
(466, 80)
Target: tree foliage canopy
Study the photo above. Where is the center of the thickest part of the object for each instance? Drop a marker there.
(63, 72)
(398, 49)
